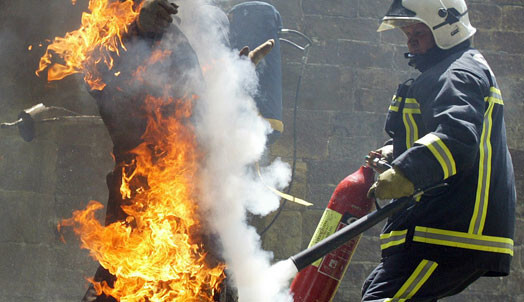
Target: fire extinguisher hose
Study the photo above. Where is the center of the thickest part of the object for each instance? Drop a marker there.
(319, 250)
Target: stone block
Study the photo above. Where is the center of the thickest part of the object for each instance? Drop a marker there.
(310, 219)
(485, 16)
(290, 77)
(500, 41)
(89, 133)
(27, 166)
(326, 87)
(357, 54)
(512, 283)
(27, 217)
(359, 124)
(323, 52)
(504, 64)
(328, 171)
(81, 170)
(24, 270)
(375, 9)
(512, 17)
(356, 275)
(351, 149)
(505, 2)
(486, 285)
(320, 194)
(290, 54)
(345, 8)
(518, 259)
(285, 237)
(347, 291)
(69, 268)
(379, 78)
(375, 231)
(290, 12)
(479, 297)
(312, 132)
(513, 95)
(372, 100)
(518, 163)
(519, 185)
(368, 250)
(321, 89)
(326, 28)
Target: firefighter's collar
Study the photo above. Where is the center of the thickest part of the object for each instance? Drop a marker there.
(434, 55)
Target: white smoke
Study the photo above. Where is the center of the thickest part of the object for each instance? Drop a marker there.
(233, 135)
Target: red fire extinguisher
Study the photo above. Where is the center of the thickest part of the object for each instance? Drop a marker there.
(319, 281)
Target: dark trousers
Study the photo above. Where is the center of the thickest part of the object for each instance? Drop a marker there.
(408, 278)
(113, 213)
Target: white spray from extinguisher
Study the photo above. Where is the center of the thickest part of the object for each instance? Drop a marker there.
(234, 136)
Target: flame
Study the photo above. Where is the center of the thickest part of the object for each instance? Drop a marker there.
(98, 38)
(157, 253)
(154, 253)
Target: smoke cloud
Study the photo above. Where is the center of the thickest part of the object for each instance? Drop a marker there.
(233, 136)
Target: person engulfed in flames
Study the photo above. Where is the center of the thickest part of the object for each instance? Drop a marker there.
(145, 77)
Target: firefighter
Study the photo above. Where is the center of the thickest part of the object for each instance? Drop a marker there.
(446, 126)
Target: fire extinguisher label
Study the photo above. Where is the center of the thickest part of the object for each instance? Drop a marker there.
(335, 263)
(328, 225)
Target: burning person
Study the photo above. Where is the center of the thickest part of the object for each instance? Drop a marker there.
(145, 77)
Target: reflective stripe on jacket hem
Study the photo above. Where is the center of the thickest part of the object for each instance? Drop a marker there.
(464, 240)
(449, 238)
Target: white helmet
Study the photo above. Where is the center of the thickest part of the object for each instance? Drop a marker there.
(447, 19)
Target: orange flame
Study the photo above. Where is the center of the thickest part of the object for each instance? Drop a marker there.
(99, 37)
(154, 253)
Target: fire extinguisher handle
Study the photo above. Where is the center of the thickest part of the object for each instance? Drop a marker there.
(378, 164)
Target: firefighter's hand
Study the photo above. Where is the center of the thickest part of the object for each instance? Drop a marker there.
(257, 54)
(391, 184)
(155, 16)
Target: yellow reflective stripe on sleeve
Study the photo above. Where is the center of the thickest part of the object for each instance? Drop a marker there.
(416, 280)
(411, 129)
(476, 225)
(411, 107)
(464, 240)
(495, 96)
(441, 153)
(395, 102)
(392, 239)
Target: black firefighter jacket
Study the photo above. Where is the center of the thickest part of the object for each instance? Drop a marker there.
(447, 126)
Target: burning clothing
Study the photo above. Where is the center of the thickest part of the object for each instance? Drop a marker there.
(172, 70)
(162, 70)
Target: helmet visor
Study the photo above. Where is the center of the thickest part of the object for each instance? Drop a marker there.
(391, 23)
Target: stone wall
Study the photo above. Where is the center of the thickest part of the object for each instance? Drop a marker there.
(347, 83)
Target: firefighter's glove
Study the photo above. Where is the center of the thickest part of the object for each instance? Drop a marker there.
(256, 55)
(391, 184)
(155, 16)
